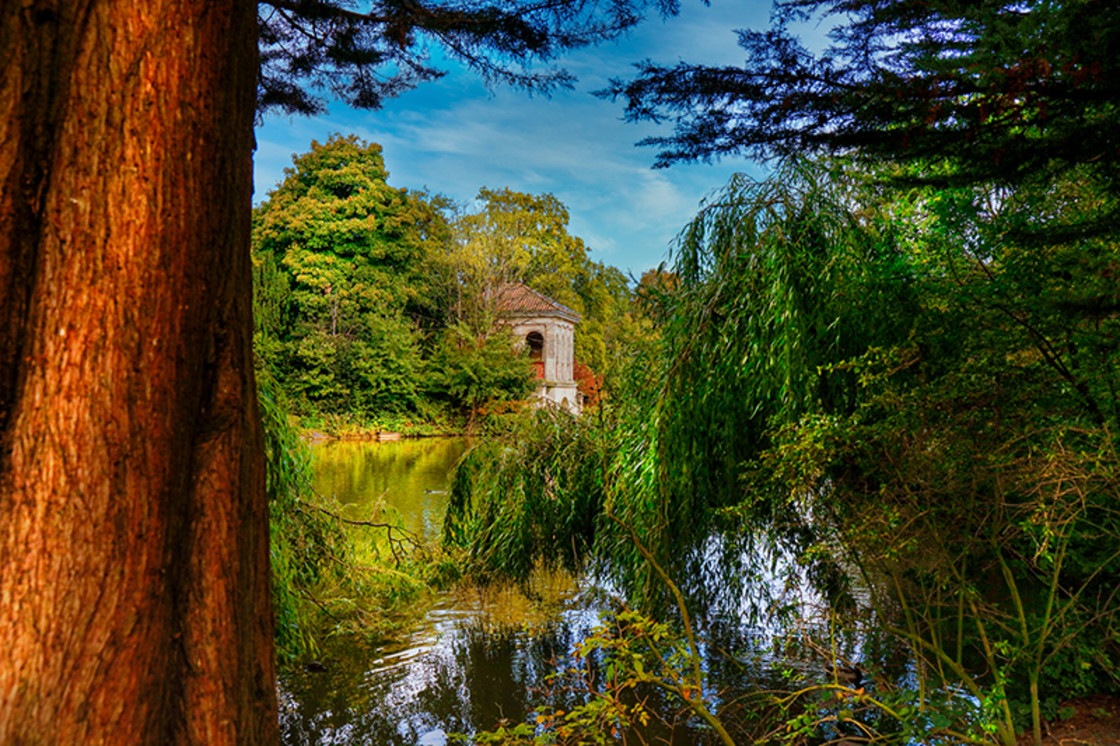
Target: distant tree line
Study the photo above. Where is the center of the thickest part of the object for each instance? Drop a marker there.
(374, 301)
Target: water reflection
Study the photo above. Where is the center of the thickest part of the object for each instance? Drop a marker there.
(408, 477)
(474, 659)
(480, 655)
(469, 665)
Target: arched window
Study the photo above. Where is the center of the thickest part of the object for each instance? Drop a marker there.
(535, 342)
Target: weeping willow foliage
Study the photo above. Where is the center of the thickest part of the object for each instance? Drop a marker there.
(775, 282)
(779, 281)
(302, 541)
(535, 495)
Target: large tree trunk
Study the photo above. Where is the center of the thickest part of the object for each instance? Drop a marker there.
(134, 584)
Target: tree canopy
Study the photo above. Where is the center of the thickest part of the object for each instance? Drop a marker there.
(339, 257)
(1002, 91)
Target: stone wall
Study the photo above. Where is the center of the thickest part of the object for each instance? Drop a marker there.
(558, 385)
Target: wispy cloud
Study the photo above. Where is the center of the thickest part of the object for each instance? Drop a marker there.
(453, 136)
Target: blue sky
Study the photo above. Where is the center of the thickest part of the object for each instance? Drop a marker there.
(453, 136)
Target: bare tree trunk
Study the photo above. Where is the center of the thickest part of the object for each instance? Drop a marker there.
(134, 583)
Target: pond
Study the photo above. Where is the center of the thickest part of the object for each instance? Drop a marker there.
(408, 477)
(477, 656)
(470, 661)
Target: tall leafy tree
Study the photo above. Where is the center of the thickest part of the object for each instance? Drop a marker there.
(347, 255)
(350, 242)
(134, 546)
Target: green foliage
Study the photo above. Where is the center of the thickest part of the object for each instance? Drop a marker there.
(923, 392)
(339, 264)
(369, 305)
(535, 494)
(900, 391)
(969, 473)
(378, 370)
(634, 655)
(350, 242)
(468, 372)
(301, 540)
(775, 282)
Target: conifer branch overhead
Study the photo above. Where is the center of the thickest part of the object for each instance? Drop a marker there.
(1002, 90)
(365, 52)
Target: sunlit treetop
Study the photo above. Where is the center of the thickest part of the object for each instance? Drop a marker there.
(349, 239)
(1004, 90)
(363, 52)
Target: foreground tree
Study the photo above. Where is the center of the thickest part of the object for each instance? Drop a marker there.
(134, 539)
(134, 545)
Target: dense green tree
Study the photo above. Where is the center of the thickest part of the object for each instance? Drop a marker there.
(341, 259)
(350, 242)
(469, 372)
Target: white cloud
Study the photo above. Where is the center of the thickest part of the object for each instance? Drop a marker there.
(452, 136)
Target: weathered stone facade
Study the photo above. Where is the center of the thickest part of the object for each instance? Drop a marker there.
(546, 330)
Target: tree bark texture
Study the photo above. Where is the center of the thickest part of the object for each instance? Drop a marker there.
(134, 584)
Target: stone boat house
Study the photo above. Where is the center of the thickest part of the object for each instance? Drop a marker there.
(546, 329)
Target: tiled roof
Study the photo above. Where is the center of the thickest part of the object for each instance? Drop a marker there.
(518, 299)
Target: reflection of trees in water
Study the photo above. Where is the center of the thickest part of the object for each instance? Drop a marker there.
(475, 673)
(405, 472)
(476, 676)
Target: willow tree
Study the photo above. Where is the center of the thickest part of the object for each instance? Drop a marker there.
(772, 281)
(134, 543)
(897, 387)
(887, 390)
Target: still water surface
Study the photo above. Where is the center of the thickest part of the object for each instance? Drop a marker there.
(478, 655)
(474, 658)
(408, 477)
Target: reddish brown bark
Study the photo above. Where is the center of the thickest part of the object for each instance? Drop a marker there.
(134, 586)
